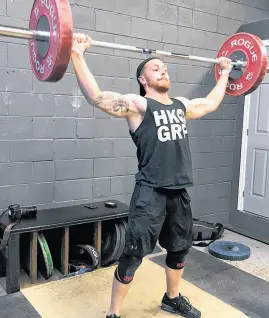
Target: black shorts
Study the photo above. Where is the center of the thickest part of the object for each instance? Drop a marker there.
(158, 214)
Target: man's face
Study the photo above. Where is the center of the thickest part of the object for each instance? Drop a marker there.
(155, 76)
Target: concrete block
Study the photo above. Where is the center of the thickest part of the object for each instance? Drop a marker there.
(99, 4)
(64, 149)
(3, 8)
(223, 25)
(124, 147)
(18, 9)
(124, 184)
(48, 128)
(191, 37)
(85, 127)
(95, 148)
(162, 12)
(230, 111)
(4, 151)
(205, 21)
(13, 61)
(101, 187)
(28, 104)
(112, 23)
(73, 169)
(31, 150)
(224, 128)
(130, 41)
(234, 26)
(170, 33)
(16, 128)
(16, 173)
(214, 41)
(3, 54)
(132, 8)
(5, 101)
(31, 194)
(109, 167)
(44, 171)
(225, 8)
(186, 74)
(110, 128)
(146, 29)
(83, 17)
(72, 106)
(185, 17)
(228, 143)
(197, 193)
(15, 80)
(66, 86)
(110, 66)
(219, 190)
(73, 190)
(208, 6)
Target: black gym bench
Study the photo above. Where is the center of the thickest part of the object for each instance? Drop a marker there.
(55, 218)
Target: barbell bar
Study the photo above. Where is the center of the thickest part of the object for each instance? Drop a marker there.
(50, 35)
(44, 36)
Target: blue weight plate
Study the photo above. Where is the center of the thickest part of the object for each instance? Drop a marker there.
(229, 250)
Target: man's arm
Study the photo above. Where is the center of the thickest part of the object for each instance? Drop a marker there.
(199, 107)
(113, 103)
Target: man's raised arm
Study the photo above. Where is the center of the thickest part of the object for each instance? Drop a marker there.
(113, 103)
(199, 107)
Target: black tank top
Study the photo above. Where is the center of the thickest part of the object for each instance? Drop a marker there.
(163, 152)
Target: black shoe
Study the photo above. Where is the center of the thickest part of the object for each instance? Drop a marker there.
(180, 305)
(113, 316)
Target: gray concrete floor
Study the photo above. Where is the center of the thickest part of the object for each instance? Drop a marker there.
(258, 262)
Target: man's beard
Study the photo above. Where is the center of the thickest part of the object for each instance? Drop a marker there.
(160, 86)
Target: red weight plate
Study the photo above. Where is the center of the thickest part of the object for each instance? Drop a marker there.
(50, 61)
(257, 62)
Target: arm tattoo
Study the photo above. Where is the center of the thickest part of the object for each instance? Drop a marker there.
(112, 102)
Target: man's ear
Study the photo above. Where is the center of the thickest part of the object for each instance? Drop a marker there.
(142, 80)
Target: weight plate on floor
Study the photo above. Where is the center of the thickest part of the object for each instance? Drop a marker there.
(229, 250)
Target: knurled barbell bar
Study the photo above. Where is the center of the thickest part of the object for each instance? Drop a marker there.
(50, 36)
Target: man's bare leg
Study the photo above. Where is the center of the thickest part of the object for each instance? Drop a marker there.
(119, 291)
(173, 277)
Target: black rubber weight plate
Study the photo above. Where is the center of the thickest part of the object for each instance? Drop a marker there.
(114, 231)
(86, 254)
(121, 243)
(229, 250)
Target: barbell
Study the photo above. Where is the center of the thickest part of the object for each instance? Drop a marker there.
(50, 37)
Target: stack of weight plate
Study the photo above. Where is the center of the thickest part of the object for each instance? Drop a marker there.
(113, 241)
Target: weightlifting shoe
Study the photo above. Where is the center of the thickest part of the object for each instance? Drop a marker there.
(180, 305)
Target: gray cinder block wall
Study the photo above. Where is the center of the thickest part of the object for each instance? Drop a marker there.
(57, 150)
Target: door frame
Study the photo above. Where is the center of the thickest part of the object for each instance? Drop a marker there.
(244, 144)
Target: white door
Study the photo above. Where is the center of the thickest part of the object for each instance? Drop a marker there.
(256, 174)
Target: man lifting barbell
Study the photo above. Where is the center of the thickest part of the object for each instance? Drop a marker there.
(160, 205)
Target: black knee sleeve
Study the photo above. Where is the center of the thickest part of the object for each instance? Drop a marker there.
(176, 260)
(126, 269)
